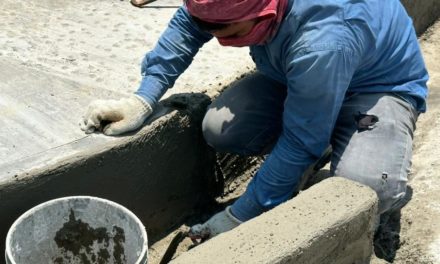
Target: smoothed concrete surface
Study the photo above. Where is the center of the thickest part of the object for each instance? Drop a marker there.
(57, 57)
(331, 222)
(38, 113)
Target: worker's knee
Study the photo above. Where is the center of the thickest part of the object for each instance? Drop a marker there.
(227, 135)
(215, 132)
(219, 142)
(392, 201)
(390, 187)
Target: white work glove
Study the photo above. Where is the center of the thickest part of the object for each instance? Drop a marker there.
(219, 223)
(115, 117)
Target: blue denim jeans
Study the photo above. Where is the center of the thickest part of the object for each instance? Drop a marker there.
(371, 142)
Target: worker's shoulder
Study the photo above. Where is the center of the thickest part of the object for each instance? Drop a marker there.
(339, 10)
(330, 23)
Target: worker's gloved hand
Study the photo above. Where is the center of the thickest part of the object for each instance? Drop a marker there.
(114, 117)
(219, 223)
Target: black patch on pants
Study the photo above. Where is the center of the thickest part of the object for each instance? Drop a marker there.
(365, 122)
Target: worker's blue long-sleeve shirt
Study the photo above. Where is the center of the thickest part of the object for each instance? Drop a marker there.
(322, 50)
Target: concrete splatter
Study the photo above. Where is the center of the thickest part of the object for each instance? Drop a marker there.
(79, 241)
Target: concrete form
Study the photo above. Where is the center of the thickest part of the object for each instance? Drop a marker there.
(331, 222)
(423, 12)
(55, 57)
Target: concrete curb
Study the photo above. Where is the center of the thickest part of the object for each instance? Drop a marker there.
(423, 12)
(332, 222)
(160, 173)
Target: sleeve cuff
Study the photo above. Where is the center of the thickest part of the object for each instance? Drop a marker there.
(246, 207)
(151, 90)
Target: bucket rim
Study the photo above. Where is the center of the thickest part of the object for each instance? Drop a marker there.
(142, 256)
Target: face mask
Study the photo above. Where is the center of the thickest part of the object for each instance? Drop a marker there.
(257, 36)
(229, 11)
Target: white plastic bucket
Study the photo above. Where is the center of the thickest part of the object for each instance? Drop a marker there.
(77, 229)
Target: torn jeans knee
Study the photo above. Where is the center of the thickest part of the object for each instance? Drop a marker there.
(365, 121)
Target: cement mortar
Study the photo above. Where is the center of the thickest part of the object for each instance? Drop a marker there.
(76, 239)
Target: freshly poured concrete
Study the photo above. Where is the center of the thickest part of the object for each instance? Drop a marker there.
(55, 57)
(332, 222)
(38, 125)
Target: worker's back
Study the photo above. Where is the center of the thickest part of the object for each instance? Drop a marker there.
(393, 61)
(378, 33)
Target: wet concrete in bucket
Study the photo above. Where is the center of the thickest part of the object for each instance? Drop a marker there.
(80, 243)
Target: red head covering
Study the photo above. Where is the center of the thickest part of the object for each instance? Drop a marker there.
(229, 11)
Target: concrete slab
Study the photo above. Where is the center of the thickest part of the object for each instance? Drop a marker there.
(55, 58)
(332, 222)
(101, 43)
(38, 118)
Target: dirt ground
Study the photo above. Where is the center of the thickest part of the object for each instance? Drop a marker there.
(411, 235)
